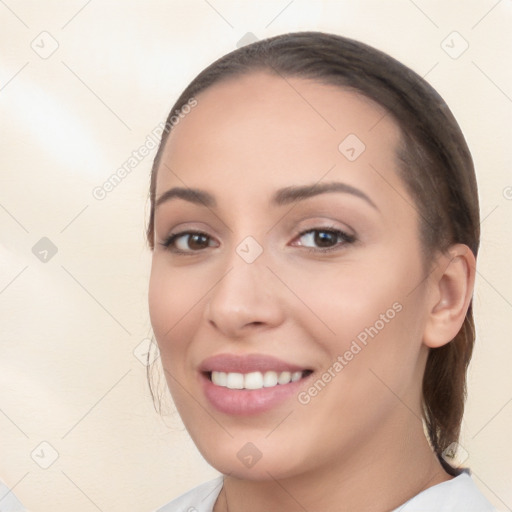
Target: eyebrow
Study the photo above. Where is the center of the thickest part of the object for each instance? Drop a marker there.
(192, 195)
(281, 197)
(292, 194)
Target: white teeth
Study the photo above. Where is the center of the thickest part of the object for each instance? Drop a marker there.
(254, 380)
(296, 376)
(270, 379)
(220, 378)
(284, 378)
(235, 381)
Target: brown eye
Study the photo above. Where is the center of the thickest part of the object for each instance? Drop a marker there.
(324, 239)
(188, 242)
(197, 241)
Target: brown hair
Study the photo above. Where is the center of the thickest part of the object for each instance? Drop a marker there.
(434, 163)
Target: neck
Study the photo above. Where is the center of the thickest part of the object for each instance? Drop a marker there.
(372, 479)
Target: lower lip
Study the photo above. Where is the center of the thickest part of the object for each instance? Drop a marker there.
(246, 402)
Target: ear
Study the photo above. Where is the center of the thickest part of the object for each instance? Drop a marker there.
(450, 292)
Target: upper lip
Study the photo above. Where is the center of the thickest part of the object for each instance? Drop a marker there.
(231, 363)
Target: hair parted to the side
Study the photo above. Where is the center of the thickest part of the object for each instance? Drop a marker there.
(433, 161)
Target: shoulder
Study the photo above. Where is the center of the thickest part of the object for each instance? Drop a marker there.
(459, 493)
(199, 499)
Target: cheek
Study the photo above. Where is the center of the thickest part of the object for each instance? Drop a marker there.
(344, 300)
(175, 308)
(365, 312)
(371, 365)
(175, 304)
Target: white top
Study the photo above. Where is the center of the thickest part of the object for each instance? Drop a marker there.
(455, 495)
(8, 501)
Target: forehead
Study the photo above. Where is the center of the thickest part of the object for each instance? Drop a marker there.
(266, 126)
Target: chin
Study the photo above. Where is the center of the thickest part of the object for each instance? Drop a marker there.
(248, 461)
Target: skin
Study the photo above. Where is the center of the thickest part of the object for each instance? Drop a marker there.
(359, 444)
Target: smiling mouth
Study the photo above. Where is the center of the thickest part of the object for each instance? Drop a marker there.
(255, 380)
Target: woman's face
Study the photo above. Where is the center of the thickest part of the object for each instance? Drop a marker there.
(305, 264)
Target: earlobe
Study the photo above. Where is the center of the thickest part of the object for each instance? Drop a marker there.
(451, 292)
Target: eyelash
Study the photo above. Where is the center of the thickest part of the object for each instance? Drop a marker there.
(345, 237)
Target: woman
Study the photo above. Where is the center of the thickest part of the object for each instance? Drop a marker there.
(314, 225)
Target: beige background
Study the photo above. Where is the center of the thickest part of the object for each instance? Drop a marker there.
(72, 327)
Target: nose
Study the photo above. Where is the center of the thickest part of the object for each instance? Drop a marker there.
(246, 298)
